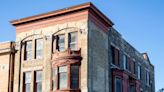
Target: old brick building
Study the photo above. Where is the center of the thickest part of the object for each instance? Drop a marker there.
(6, 66)
(76, 49)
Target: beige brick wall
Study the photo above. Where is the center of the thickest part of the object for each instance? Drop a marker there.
(45, 63)
(4, 72)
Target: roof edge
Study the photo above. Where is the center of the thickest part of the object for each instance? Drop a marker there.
(88, 5)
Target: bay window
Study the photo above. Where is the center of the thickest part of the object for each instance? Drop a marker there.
(65, 77)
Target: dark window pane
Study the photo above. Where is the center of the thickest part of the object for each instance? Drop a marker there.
(118, 85)
(113, 54)
(74, 77)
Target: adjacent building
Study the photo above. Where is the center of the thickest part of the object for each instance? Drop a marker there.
(74, 49)
(7, 57)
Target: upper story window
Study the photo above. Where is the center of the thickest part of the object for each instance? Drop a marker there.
(73, 41)
(38, 81)
(115, 56)
(132, 66)
(139, 72)
(147, 78)
(28, 50)
(39, 48)
(118, 85)
(33, 49)
(125, 62)
(60, 43)
(27, 81)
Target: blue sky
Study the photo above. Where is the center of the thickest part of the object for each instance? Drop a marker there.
(141, 22)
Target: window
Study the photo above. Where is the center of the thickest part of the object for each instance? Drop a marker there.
(125, 62)
(73, 41)
(38, 81)
(115, 56)
(60, 43)
(54, 76)
(63, 77)
(74, 76)
(139, 72)
(27, 81)
(118, 85)
(129, 64)
(39, 48)
(28, 50)
(132, 66)
(147, 78)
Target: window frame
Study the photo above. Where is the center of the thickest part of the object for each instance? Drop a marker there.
(24, 80)
(125, 62)
(68, 77)
(75, 33)
(147, 73)
(35, 80)
(139, 71)
(72, 78)
(57, 38)
(42, 41)
(26, 50)
(115, 87)
(59, 76)
(115, 55)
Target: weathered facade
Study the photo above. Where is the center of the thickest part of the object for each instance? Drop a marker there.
(76, 49)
